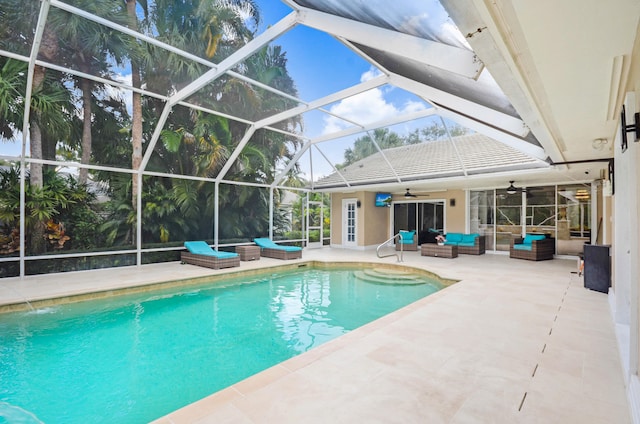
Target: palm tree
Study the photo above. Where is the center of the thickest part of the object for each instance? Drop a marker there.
(50, 106)
(136, 98)
(92, 49)
(19, 38)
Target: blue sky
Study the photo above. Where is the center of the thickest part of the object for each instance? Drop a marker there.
(321, 65)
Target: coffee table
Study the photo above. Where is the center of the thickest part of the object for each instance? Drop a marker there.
(442, 251)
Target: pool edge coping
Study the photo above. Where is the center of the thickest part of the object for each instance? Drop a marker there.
(90, 294)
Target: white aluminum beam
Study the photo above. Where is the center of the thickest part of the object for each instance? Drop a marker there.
(316, 104)
(453, 59)
(336, 170)
(110, 24)
(245, 139)
(498, 119)
(35, 48)
(508, 68)
(291, 163)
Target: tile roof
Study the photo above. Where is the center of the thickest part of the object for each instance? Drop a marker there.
(473, 153)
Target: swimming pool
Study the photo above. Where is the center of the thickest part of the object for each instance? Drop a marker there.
(134, 358)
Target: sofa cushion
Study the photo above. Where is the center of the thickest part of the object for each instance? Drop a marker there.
(469, 238)
(453, 238)
(522, 246)
(531, 237)
(467, 243)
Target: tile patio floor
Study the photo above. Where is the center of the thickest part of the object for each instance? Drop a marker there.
(512, 342)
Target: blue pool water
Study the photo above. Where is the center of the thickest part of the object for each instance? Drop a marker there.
(135, 358)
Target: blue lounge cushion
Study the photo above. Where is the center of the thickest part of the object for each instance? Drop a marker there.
(466, 243)
(531, 237)
(522, 246)
(202, 248)
(406, 237)
(264, 242)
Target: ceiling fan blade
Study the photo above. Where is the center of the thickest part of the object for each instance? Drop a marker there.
(409, 194)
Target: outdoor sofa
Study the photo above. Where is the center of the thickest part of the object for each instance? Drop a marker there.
(470, 244)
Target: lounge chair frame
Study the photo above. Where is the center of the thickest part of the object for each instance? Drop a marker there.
(209, 261)
(267, 252)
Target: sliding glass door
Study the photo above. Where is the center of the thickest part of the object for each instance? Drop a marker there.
(418, 216)
(563, 212)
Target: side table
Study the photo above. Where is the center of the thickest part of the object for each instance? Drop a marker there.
(248, 253)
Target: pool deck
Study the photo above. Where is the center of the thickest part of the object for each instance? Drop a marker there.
(512, 341)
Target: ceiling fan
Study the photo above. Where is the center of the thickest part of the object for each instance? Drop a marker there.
(513, 190)
(408, 194)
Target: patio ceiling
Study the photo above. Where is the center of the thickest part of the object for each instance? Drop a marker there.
(544, 78)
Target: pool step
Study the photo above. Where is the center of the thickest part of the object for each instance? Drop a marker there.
(388, 276)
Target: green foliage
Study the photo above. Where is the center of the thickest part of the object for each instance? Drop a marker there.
(364, 146)
(192, 143)
(62, 207)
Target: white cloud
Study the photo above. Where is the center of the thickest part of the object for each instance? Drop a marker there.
(370, 74)
(364, 108)
(120, 93)
(412, 106)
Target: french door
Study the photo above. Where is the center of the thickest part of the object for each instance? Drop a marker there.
(349, 223)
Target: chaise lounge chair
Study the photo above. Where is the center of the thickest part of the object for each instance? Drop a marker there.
(269, 249)
(199, 253)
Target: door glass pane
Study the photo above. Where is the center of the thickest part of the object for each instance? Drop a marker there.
(351, 222)
(430, 217)
(404, 217)
(482, 216)
(541, 211)
(574, 218)
(508, 218)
